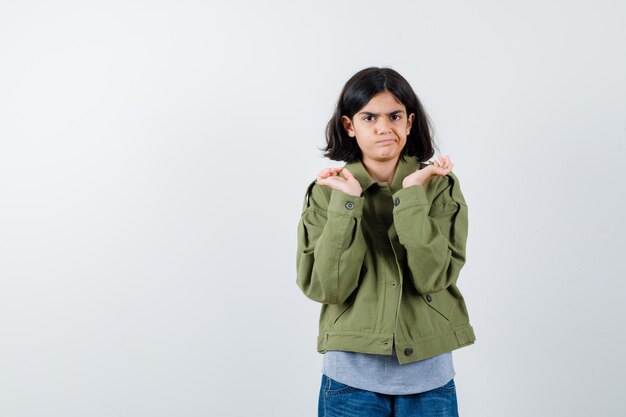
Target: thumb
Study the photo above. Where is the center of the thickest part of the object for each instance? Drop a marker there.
(347, 174)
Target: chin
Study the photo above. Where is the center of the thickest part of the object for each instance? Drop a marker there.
(385, 158)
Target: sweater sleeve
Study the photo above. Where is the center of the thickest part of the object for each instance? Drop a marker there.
(331, 247)
(434, 235)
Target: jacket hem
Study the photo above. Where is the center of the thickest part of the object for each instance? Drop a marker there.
(407, 351)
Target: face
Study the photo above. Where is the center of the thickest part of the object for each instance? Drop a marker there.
(380, 128)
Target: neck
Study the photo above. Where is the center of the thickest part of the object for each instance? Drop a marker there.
(382, 171)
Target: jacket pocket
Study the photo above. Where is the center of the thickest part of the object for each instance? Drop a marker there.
(442, 302)
(350, 300)
(345, 306)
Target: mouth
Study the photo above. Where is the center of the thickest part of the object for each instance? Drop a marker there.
(386, 141)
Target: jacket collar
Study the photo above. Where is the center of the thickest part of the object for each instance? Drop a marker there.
(406, 166)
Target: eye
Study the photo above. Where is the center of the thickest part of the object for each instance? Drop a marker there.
(368, 118)
(396, 117)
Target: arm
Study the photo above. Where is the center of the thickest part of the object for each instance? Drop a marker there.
(331, 247)
(434, 236)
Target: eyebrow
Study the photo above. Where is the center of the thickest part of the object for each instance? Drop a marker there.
(376, 114)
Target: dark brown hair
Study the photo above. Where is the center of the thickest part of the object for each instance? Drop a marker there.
(357, 92)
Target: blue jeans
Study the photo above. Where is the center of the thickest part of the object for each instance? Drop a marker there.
(340, 400)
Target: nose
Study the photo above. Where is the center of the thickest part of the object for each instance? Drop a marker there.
(383, 126)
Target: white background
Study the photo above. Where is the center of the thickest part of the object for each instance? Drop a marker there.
(153, 161)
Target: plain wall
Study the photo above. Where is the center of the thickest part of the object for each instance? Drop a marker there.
(153, 161)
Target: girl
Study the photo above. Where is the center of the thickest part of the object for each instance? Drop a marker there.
(381, 242)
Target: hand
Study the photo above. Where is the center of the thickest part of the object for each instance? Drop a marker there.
(442, 166)
(347, 184)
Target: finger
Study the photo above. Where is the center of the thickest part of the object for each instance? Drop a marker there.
(448, 168)
(443, 166)
(332, 171)
(449, 165)
(346, 173)
(330, 177)
(322, 181)
(444, 161)
(327, 172)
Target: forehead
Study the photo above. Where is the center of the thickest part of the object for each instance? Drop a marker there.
(383, 102)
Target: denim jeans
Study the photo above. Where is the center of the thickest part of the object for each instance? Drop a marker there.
(340, 400)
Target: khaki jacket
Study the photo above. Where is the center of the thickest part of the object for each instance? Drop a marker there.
(385, 265)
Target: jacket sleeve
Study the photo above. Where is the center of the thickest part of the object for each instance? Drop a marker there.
(331, 247)
(434, 235)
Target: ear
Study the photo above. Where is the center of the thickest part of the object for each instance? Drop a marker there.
(347, 124)
(409, 123)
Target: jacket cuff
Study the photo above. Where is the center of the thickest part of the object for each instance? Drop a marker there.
(413, 195)
(346, 204)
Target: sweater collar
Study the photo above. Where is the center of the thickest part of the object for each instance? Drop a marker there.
(406, 165)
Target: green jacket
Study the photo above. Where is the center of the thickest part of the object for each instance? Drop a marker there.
(385, 265)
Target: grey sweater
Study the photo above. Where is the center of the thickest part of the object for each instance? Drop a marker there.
(383, 374)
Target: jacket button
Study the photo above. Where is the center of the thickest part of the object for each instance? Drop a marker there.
(429, 298)
(396, 201)
(408, 351)
(349, 205)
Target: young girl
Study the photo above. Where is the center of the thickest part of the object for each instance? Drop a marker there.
(381, 242)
